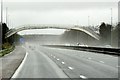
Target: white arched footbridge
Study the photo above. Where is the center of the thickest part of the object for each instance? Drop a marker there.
(87, 30)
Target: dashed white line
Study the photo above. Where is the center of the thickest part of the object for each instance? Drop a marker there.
(63, 62)
(117, 66)
(51, 54)
(58, 59)
(101, 62)
(89, 58)
(83, 77)
(54, 56)
(70, 68)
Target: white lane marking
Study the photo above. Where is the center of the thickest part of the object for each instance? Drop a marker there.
(89, 58)
(70, 68)
(51, 54)
(54, 56)
(117, 66)
(63, 62)
(101, 62)
(53, 64)
(58, 59)
(83, 77)
(20, 67)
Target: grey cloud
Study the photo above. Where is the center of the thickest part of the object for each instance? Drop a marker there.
(58, 5)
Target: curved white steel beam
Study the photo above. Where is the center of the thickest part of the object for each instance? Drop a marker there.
(27, 27)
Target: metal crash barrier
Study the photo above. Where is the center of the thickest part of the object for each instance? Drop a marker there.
(109, 51)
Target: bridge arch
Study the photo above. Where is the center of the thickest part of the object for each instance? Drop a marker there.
(68, 27)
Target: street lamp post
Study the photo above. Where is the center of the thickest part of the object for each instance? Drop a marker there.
(111, 16)
(1, 25)
(1, 11)
(6, 16)
(88, 20)
(110, 28)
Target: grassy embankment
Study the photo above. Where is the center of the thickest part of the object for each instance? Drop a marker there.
(7, 48)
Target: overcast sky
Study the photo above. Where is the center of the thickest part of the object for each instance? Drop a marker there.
(74, 12)
(61, 0)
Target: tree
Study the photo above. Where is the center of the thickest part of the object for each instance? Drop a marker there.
(105, 33)
(4, 31)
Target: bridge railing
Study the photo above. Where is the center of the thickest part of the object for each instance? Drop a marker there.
(73, 27)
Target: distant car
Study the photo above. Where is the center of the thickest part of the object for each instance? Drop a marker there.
(78, 44)
(83, 45)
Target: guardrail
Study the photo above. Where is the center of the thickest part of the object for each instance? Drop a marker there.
(110, 51)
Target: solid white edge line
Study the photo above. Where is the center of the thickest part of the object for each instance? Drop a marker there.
(83, 77)
(20, 67)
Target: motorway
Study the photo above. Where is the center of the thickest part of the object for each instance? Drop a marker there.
(46, 62)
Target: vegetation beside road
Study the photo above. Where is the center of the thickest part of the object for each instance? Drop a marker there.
(7, 49)
(7, 45)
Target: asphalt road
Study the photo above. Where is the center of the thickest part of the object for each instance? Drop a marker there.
(9, 62)
(46, 62)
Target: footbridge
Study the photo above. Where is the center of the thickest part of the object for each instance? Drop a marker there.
(87, 30)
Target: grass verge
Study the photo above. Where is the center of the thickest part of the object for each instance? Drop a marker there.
(6, 51)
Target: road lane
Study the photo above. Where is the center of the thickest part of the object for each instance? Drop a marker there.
(102, 58)
(46, 62)
(82, 65)
(38, 65)
(11, 61)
